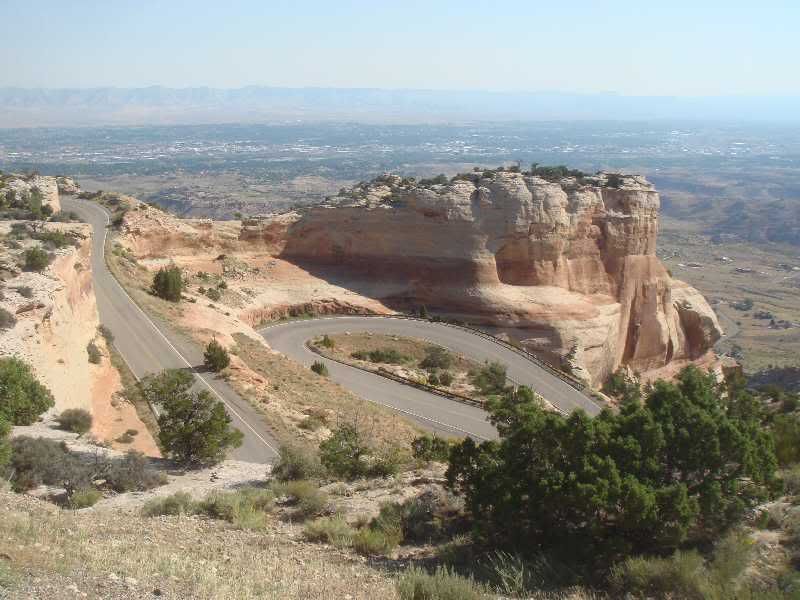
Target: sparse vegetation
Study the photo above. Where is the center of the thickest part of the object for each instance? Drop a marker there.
(75, 420)
(330, 530)
(216, 358)
(305, 496)
(179, 503)
(95, 356)
(442, 584)
(297, 463)
(320, 368)
(168, 284)
(213, 294)
(382, 355)
(431, 448)
(84, 498)
(36, 259)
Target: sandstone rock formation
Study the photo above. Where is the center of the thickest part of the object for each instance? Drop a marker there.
(565, 267)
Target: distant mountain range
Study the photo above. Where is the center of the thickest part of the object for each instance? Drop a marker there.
(160, 105)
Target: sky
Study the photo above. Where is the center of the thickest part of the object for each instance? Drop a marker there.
(675, 47)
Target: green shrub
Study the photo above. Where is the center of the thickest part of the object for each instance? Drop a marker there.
(75, 420)
(514, 576)
(436, 357)
(132, 473)
(213, 294)
(7, 320)
(682, 574)
(179, 503)
(791, 480)
(442, 584)
(319, 368)
(22, 397)
(327, 342)
(36, 259)
(490, 379)
(168, 284)
(345, 452)
(446, 378)
(431, 448)
(84, 498)
(386, 461)
(329, 530)
(297, 463)
(216, 357)
(106, 333)
(433, 379)
(305, 496)
(95, 356)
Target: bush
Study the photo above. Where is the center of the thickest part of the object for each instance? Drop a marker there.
(132, 473)
(446, 378)
(245, 508)
(319, 368)
(36, 259)
(213, 294)
(329, 530)
(22, 397)
(84, 498)
(370, 542)
(388, 356)
(194, 428)
(95, 356)
(75, 420)
(490, 379)
(436, 357)
(108, 336)
(305, 496)
(7, 320)
(37, 461)
(296, 463)
(442, 584)
(430, 448)
(216, 357)
(179, 503)
(168, 284)
(344, 453)
(327, 342)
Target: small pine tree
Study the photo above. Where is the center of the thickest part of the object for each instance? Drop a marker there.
(168, 284)
(319, 368)
(216, 357)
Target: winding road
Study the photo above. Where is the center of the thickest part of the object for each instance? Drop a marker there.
(431, 411)
(148, 345)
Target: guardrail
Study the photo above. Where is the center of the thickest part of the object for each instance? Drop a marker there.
(572, 381)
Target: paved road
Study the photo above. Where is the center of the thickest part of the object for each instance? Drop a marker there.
(432, 411)
(148, 345)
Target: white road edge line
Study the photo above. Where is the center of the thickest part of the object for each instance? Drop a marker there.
(183, 358)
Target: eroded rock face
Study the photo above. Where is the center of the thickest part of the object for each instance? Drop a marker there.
(563, 267)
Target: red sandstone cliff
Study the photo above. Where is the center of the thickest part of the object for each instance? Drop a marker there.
(564, 267)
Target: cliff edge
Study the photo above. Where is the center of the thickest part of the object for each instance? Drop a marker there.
(566, 267)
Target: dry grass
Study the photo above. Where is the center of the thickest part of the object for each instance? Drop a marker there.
(110, 556)
(294, 390)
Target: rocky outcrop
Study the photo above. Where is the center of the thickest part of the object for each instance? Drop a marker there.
(565, 267)
(68, 186)
(25, 185)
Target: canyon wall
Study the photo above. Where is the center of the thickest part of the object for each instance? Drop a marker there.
(567, 268)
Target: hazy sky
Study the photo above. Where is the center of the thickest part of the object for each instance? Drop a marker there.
(672, 47)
